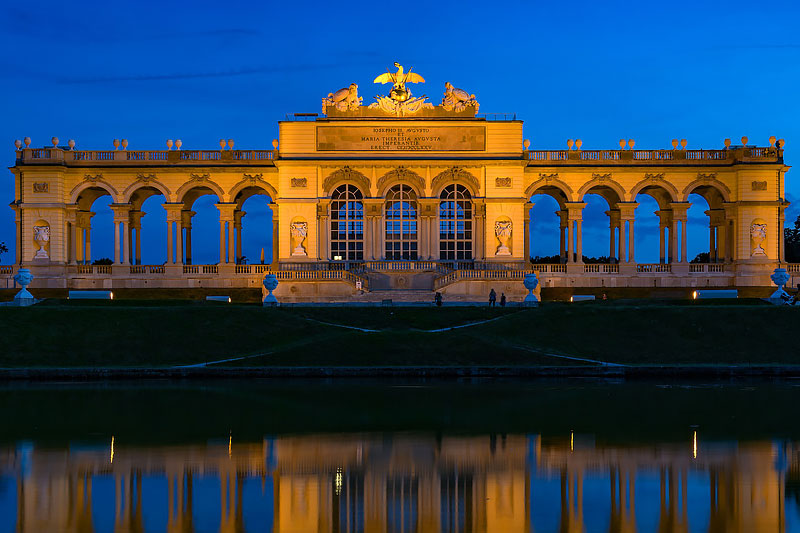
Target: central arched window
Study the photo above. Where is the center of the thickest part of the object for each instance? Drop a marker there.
(455, 223)
(347, 224)
(400, 212)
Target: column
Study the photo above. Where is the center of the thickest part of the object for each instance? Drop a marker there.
(661, 256)
(275, 244)
(434, 240)
(683, 240)
(73, 235)
(231, 243)
(121, 221)
(226, 215)
(722, 250)
(87, 246)
(631, 251)
(237, 224)
(570, 256)
(170, 254)
(613, 223)
(79, 246)
(178, 242)
(526, 233)
(479, 232)
(116, 242)
(139, 245)
(575, 231)
(186, 222)
(126, 239)
(627, 212)
(562, 216)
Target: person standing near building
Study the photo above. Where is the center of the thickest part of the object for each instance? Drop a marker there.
(502, 299)
(492, 298)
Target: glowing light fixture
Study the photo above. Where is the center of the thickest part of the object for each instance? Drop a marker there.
(338, 481)
(111, 460)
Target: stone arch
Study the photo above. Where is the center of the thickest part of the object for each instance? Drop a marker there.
(710, 188)
(604, 186)
(655, 186)
(248, 187)
(401, 175)
(200, 182)
(93, 184)
(454, 175)
(142, 184)
(551, 186)
(346, 175)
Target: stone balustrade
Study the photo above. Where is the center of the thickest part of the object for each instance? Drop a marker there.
(137, 158)
(747, 154)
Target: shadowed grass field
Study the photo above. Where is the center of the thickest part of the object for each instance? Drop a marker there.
(158, 334)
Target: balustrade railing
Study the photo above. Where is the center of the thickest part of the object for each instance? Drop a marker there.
(479, 275)
(147, 269)
(552, 268)
(144, 156)
(793, 268)
(322, 275)
(635, 156)
(251, 269)
(6, 270)
(605, 268)
(647, 268)
(704, 268)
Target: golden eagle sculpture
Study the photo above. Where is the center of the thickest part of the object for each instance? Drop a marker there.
(399, 93)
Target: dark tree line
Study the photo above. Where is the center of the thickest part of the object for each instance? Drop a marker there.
(791, 242)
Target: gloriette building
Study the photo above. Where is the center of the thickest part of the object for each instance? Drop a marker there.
(398, 194)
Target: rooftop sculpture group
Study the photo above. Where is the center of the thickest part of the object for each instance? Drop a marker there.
(399, 102)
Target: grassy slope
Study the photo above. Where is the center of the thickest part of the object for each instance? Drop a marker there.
(158, 334)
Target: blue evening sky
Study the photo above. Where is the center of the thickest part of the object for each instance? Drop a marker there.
(200, 71)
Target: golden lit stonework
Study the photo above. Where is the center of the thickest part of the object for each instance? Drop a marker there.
(400, 194)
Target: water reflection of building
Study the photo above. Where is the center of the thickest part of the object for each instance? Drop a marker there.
(350, 483)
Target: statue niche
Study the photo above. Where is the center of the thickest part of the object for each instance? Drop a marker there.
(299, 232)
(758, 234)
(502, 230)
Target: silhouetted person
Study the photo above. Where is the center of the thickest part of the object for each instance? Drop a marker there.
(492, 298)
(502, 299)
(438, 299)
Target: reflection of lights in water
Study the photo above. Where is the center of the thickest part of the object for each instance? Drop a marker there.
(338, 481)
(112, 449)
(571, 441)
(694, 445)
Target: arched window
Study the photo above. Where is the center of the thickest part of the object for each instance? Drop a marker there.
(400, 212)
(347, 224)
(455, 223)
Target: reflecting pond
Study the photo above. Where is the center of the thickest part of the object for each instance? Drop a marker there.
(399, 456)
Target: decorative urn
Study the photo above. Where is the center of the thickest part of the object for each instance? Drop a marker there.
(24, 278)
(779, 277)
(531, 282)
(270, 283)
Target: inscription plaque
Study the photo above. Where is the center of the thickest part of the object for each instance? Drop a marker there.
(401, 138)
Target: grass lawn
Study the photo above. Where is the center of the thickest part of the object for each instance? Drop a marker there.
(157, 334)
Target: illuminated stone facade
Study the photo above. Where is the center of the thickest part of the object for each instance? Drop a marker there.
(431, 197)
